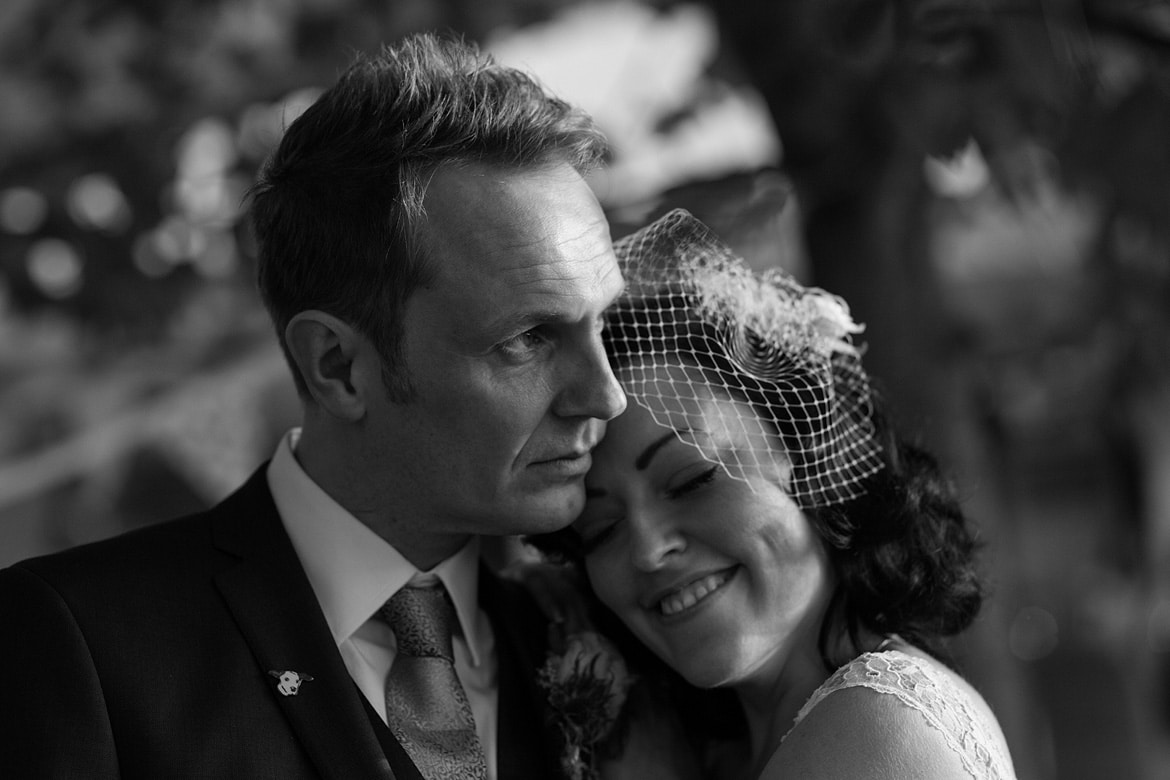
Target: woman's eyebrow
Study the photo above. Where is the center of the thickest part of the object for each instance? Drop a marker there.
(648, 454)
(644, 459)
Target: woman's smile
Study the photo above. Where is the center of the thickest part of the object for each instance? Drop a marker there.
(684, 601)
(712, 572)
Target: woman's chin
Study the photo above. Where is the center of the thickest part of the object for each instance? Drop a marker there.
(707, 676)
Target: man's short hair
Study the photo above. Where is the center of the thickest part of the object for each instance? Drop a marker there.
(337, 207)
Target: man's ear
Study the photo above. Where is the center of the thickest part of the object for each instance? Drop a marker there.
(324, 349)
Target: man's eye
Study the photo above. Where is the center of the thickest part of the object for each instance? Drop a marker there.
(522, 343)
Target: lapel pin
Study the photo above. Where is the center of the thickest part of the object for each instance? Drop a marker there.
(289, 681)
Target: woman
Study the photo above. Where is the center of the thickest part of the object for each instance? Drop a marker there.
(753, 522)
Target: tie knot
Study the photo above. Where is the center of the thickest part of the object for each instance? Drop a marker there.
(422, 620)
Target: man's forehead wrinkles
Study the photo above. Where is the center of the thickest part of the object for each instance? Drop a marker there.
(586, 235)
(548, 299)
(594, 268)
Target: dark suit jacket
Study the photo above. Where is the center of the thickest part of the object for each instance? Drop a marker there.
(147, 656)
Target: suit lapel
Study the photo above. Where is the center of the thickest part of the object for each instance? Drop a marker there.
(526, 746)
(276, 610)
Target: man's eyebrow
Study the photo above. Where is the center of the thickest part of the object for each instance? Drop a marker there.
(527, 319)
(648, 454)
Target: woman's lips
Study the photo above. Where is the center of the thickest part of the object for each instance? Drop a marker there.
(693, 593)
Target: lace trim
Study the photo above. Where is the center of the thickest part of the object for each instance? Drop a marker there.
(920, 686)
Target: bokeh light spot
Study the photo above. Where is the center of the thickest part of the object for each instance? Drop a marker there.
(147, 258)
(1034, 634)
(55, 267)
(22, 210)
(177, 241)
(208, 148)
(96, 201)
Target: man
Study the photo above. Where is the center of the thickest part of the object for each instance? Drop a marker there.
(437, 270)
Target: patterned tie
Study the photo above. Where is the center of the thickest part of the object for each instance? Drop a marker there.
(426, 706)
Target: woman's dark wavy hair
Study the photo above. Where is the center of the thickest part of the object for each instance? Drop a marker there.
(903, 553)
(337, 207)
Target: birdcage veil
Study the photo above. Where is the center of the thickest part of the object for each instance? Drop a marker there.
(780, 349)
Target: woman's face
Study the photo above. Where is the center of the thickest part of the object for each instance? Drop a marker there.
(722, 579)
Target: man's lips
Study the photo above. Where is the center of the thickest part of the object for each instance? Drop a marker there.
(573, 452)
(571, 455)
(570, 464)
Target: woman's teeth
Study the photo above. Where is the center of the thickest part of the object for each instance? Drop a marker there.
(692, 594)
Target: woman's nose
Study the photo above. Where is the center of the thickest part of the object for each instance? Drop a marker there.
(655, 539)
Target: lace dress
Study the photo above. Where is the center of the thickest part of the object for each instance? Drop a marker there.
(923, 686)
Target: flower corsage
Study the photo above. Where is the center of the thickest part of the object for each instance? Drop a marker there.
(586, 687)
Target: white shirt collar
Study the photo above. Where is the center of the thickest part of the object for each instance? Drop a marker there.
(352, 570)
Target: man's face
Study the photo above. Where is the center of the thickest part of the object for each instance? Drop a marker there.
(503, 350)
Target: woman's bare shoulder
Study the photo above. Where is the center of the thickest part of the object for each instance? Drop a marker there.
(860, 732)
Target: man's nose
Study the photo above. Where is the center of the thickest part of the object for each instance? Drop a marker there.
(591, 389)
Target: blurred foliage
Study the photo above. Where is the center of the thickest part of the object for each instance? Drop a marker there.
(1063, 100)
(1075, 89)
(115, 88)
(848, 79)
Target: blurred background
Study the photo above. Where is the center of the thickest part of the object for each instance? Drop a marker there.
(986, 181)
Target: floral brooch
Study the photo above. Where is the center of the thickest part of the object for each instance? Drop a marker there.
(586, 687)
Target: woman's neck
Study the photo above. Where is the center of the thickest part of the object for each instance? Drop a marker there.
(772, 699)
(771, 702)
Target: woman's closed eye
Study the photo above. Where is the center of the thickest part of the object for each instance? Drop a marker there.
(689, 485)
